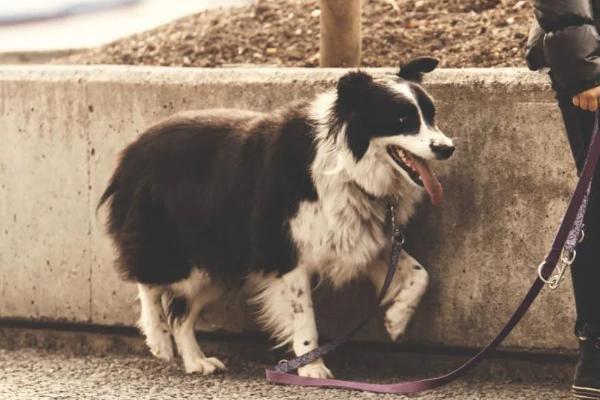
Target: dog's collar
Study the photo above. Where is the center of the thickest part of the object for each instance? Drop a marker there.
(364, 191)
(390, 201)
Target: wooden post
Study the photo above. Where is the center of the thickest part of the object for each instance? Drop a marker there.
(340, 33)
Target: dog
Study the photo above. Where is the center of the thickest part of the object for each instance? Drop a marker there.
(206, 201)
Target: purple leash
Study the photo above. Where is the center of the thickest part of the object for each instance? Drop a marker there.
(569, 234)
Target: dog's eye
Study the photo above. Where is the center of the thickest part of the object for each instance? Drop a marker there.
(402, 120)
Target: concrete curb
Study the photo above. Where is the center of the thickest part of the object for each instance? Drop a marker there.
(63, 127)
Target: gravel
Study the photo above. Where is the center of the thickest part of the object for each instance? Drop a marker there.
(39, 374)
(462, 33)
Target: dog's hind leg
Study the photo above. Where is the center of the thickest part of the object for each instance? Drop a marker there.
(183, 311)
(404, 295)
(287, 312)
(153, 323)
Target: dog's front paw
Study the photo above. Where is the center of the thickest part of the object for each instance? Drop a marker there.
(397, 318)
(161, 346)
(202, 365)
(395, 331)
(316, 369)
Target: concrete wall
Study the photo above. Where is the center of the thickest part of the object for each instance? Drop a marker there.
(62, 128)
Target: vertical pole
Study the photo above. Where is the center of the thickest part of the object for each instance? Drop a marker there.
(340, 33)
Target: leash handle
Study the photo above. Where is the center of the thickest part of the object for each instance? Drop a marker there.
(567, 236)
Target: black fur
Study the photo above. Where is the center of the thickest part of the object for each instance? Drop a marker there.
(214, 190)
(177, 310)
(217, 189)
(370, 110)
(414, 70)
(425, 104)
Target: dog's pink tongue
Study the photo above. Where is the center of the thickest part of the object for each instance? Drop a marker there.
(431, 182)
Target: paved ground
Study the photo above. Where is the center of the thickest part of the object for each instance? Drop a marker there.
(70, 364)
(41, 374)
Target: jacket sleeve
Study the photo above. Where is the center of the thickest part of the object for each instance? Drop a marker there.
(535, 48)
(571, 44)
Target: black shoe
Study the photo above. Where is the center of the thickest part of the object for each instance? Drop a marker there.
(587, 374)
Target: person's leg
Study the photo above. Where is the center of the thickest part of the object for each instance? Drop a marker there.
(585, 270)
(579, 125)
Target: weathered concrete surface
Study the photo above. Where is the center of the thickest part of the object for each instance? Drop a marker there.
(506, 189)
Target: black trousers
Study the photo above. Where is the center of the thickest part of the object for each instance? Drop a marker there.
(579, 125)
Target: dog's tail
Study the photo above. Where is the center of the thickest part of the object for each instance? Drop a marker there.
(108, 193)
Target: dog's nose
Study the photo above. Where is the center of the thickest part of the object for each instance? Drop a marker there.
(442, 151)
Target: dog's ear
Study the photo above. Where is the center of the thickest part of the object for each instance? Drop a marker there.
(351, 89)
(414, 70)
(358, 137)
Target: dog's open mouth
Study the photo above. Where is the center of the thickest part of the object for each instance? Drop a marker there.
(419, 171)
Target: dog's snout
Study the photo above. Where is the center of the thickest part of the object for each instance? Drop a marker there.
(442, 151)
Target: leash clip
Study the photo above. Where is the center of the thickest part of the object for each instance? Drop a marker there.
(282, 366)
(566, 260)
(582, 235)
(567, 257)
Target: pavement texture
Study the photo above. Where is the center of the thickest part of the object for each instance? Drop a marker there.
(40, 374)
(46, 364)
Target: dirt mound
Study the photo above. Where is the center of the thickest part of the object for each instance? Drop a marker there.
(462, 33)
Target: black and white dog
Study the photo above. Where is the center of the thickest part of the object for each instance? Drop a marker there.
(207, 200)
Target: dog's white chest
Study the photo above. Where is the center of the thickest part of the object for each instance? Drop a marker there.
(339, 238)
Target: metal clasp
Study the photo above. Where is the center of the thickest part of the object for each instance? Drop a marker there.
(582, 235)
(566, 260)
(282, 365)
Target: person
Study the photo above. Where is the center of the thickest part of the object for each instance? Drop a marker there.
(564, 37)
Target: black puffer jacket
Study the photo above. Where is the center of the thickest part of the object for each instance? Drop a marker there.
(565, 38)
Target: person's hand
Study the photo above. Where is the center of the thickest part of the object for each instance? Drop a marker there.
(588, 100)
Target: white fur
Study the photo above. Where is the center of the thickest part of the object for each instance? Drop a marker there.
(273, 299)
(198, 291)
(153, 322)
(406, 291)
(194, 360)
(287, 312)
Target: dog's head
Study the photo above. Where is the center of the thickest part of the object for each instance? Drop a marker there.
(390, 129)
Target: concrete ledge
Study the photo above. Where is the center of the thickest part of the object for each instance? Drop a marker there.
(63, 126)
